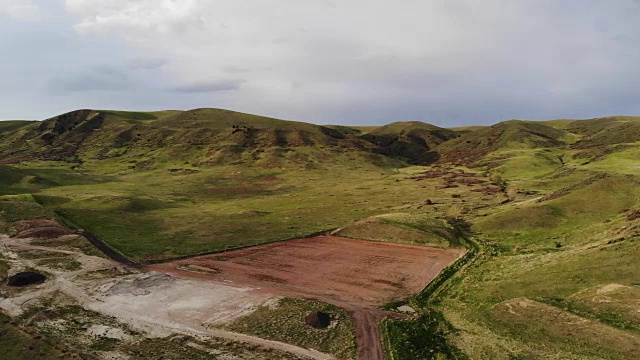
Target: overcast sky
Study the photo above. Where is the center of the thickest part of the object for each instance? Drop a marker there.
(446, 62)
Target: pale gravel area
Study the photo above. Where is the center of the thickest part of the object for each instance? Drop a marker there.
(107, 331)
(174, 303)
(159, 305)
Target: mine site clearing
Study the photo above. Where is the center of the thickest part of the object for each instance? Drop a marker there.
(198, 296)
(362, 273)
(146, 305)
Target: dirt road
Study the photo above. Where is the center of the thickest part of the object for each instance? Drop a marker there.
(356, 275)
(67, 282)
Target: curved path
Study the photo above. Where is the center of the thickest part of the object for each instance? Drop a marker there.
(355, 275)
(366, 320)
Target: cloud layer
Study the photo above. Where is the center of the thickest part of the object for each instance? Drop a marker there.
(356, 61)
(21, 10)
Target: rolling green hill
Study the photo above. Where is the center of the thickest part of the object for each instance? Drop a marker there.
(10, 125)
(200, 136)
(513, 134)
(412, 140)
(606, 131)
(549, 210)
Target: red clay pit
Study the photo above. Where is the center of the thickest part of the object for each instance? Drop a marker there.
(359, 272)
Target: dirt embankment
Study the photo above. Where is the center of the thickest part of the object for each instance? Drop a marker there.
(40, 228)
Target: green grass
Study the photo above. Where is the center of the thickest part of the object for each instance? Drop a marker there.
(4, 267)
(10, 125)
(21, 207)
(161, 214)
(612, 314)
(18, 344)
(185, 347)
(585, 210)
(598, 247)
(421, 338)
(526, 163)
(60, 263)
(544, 326)
(513, 134)
(285, 322)
(402, 228)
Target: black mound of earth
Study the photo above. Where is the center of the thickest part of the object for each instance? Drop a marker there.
(318, 319)
(26, 278)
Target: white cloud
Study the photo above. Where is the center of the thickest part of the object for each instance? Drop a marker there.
(22, 10)
(132, 18)
(305, 56)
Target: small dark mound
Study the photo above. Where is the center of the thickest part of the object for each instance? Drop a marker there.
(26, 278)
(318, 319)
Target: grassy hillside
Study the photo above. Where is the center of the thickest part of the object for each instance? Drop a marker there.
(466, 129)
(551, 211)
(10, 125)
(164, 184)
(197, 136)
(607, 131)
(402, 228)
(513, 134)
(412, 140)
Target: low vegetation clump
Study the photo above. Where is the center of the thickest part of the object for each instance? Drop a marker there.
(17, 342)
(423, 337)
(60, 263)
(285, 321)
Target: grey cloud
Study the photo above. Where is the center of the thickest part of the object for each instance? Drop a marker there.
(146, 63)
(235, 69)
(445, 62)
(98, 78)
(210, 86)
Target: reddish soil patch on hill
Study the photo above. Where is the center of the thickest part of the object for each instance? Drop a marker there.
(40, 228)
(354, 274)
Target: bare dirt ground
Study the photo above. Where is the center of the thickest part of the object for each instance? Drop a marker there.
(156, 304)
(356, 275)
(194, 295)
